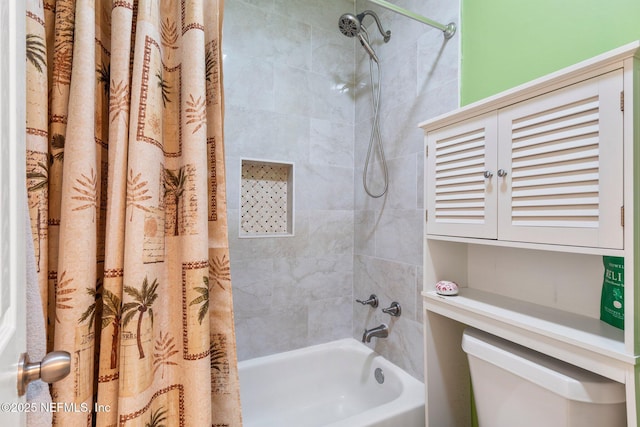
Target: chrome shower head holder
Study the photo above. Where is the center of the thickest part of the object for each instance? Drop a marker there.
(386, 35)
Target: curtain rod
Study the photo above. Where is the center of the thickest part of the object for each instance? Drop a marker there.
(449, 30)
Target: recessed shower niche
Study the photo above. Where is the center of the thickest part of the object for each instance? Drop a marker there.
(266, 198)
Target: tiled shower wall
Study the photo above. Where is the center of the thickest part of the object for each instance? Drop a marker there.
(296, 90)
(288, 79)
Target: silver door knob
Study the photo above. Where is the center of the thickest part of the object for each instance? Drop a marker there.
(54, 367)
(502, 173)
(488, 174)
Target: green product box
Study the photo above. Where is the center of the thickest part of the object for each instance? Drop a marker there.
(612, 300)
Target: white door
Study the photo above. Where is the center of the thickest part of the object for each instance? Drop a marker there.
(12, 207)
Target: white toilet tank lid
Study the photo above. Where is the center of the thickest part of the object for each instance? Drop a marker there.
(559, 377)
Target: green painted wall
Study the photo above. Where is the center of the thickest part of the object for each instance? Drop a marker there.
(509, 42)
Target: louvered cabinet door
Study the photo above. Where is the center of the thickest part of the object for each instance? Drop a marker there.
(461, 200)
(562, 155)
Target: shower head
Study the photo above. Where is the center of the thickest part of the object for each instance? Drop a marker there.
(351, 26)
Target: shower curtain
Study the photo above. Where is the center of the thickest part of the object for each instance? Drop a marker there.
(126, 191)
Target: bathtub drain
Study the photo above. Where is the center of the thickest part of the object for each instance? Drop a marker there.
(379, 375)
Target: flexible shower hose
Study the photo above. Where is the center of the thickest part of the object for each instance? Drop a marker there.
(375, 139)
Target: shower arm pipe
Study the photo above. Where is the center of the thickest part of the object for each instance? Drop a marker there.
(449, 30)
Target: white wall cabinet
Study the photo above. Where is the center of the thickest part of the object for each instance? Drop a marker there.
(546, 170)
(525, 192)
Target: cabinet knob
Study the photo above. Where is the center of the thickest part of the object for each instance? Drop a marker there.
(502, 173)
(488, 174)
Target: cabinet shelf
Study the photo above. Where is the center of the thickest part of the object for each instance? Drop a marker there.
(587, 250)
(580, 340)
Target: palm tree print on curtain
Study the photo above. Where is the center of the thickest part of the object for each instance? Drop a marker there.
(36, 52)
(157, 418)
(112, 316)
(126, 179)
(37, 193)
(202, 299)
(164, 350)
(143, 300)
(90, 314)
(174, 188)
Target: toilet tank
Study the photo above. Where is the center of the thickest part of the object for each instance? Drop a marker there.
(516, 386)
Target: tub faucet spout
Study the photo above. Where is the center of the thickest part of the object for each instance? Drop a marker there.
(381, 331)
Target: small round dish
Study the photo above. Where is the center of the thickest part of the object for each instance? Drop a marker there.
(446, 287)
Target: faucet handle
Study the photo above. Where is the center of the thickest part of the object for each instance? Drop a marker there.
(372, 301)
(394, 309)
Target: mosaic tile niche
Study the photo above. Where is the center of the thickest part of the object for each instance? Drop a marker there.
(266, 199)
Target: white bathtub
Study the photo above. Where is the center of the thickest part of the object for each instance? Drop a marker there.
(330, 384)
